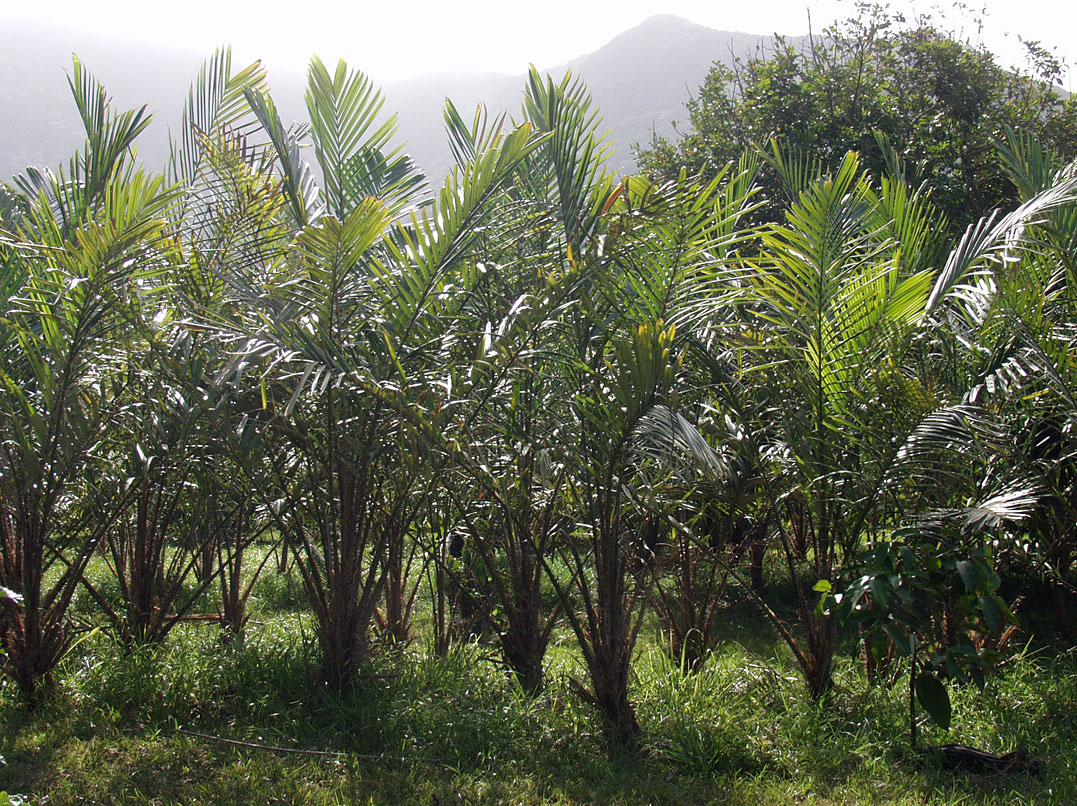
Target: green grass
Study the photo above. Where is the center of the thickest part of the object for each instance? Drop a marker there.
(458, 730)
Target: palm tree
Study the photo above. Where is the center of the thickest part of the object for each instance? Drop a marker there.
(91, 238)
(829, 307)
(228, 217)
(188, 518)
(1013, 344)
(637, 253)
(509, 390)
(351, 318)
(822, 375)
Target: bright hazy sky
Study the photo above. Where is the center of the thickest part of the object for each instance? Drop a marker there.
(391, 40)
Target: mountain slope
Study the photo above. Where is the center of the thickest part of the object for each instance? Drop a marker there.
(643, 77)
(39, 124)
(639, 80)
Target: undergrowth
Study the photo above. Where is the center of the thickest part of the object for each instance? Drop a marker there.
(141, 725)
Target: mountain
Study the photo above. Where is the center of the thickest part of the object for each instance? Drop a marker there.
(639, 80)
(39, 124)
(643, 77)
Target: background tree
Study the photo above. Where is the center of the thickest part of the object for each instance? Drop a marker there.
(939, 99)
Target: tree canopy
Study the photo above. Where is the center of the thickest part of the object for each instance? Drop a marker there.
(878, 79)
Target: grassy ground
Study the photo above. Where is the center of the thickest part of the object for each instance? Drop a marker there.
(457, 730)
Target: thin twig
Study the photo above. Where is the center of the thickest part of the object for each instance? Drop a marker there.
(302, 752)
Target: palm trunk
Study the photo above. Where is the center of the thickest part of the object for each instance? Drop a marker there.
(610, 681)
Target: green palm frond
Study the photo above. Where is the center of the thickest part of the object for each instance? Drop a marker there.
(215, 106)
(1034, 171)
(433, 241)
(352, 145)
(109, 135)
(831, 293)
(947, 450)
(1004, 508)
(911, 220)
(667, 251)
(297, 180)
(796, 170)
(575, 153)
(667, 437)
(1027, 165)
(234, 217)
(988, 243)
(70, 195)
(467, 140)
(636, 375)
(898, 171)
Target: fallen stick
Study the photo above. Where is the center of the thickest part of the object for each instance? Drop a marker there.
(955, 756)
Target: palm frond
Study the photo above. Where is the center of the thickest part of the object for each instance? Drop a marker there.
(467, 140)
(297, 180)
(575, 150)
(352, 145)
(988, 243)
(215, 106)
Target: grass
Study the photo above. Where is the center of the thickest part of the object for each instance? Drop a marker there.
(458, 730)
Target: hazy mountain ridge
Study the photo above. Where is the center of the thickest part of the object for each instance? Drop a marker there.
(639, 80)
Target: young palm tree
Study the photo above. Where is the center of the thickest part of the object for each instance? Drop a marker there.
(831, 311)
(829, 307)
(1012, 337)
(510, 400)
(637, 254)
(188, 518)
(93, 236)
(351, 318)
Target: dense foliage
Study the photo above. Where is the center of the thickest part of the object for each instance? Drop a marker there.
(871, 81)
(537, 398)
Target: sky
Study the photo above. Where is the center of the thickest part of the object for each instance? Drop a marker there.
(401, 39)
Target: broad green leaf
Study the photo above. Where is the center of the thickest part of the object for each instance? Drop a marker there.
(991, 612)
(934, 698)
(900, 638)
(969, 575)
